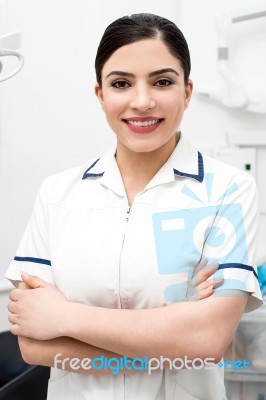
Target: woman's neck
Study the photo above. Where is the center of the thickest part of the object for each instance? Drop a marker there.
(137, 169)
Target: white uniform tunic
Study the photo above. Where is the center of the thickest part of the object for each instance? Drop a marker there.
(83, 238)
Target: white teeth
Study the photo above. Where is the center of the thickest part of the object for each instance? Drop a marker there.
(144, 123)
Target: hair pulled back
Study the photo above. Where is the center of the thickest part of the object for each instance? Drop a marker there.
(130, 29)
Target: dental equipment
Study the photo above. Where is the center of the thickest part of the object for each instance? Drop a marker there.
(235, 95)
(8, 43)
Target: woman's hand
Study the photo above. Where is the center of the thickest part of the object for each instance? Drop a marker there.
(36, 312)
(200, 287)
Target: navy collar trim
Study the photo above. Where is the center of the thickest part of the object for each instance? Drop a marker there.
(200, 175)
(90, 175)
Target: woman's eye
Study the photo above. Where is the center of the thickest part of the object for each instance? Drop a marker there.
(164, 82)
(120, 84)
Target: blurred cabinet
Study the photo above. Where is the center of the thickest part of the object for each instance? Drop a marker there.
(249, 344)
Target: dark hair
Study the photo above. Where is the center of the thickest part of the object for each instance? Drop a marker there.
(130, 29)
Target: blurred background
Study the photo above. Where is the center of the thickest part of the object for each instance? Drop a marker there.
(50, 119)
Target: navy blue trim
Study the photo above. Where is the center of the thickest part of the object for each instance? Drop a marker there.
(200, 175)
(86, 175)
(34, 260)
(240, 266)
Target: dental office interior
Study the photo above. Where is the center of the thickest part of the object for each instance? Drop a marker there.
(51, 121)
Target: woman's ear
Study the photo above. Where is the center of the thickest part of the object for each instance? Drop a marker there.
(188, 92)
(99, 94)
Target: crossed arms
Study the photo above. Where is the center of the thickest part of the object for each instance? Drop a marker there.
(196, 329)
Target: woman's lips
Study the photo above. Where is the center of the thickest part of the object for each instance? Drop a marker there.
(144, 124)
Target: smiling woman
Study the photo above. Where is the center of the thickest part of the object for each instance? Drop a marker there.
(119, 247)
(144, 97)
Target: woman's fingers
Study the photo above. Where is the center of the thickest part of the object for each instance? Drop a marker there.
(12, 306)
(205, 289)
(207, 271)
(212, 282)
(202, 283)
(203, 294)
(201, 291)
(203, 262)
(217, 282)
(14, 294)
(13, 318)
(203, 273)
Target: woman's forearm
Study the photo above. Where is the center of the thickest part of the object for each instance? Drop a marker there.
(182, 329)
(64, 353)
(59, 352)
(137, 333)
(201, 329)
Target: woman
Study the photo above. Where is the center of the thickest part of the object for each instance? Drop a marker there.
(121, 238)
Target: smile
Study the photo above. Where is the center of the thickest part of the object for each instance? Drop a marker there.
(144, 124)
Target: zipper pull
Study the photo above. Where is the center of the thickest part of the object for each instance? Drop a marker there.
(128, 213)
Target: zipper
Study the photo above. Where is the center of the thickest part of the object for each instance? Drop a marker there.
(128, 213)
(120, 301)
(128, 210)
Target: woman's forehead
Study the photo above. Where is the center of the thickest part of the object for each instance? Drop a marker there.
(145, 55)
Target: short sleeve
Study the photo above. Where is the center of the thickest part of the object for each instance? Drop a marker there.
(33, 254)
(231, 241)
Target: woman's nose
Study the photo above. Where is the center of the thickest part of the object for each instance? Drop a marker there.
(142, 99)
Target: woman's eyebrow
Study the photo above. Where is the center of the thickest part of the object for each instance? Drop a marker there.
(163, 71)
(153, 73)
(121, 73)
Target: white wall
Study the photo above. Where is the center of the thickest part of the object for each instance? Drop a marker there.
(50, 119)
